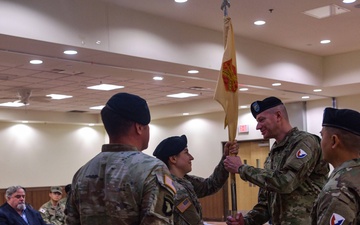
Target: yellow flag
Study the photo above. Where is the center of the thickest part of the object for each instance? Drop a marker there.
(226, 92)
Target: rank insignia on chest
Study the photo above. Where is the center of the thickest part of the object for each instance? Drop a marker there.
(184, 205)
(300, 154)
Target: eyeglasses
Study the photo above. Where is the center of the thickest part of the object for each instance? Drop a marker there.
(19, 196)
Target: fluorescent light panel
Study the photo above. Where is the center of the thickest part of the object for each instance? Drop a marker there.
(58, 97)
(36, 61)
(99, 107)
(182, 95)
(105, 87)
(158, 78)
(70, 52)
(12, 104)
(326, 11)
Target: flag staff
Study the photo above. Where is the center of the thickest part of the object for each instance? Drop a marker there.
(227, 91)
(224, 5)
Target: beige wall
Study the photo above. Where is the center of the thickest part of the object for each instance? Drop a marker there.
(49, 154)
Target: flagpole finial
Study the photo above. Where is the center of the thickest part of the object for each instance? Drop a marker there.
(224, 5)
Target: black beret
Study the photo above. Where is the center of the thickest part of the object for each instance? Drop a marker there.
(129, 106)
(345, 119)
(67, 188)
(258, 107)
(170, 146)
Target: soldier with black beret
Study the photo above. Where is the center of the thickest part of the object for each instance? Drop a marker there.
(173, 151)
(122, 185)
(339, 200)
(293, 174)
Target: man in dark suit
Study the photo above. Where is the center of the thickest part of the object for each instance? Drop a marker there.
(15, 212)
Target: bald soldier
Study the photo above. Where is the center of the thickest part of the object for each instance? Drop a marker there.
(339, 201)
(122, 185)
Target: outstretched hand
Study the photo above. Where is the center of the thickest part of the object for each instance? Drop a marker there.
(232, 163)
(238, 220)
(231, 148)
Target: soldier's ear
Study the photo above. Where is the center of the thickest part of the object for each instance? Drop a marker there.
(172, 159)
(334, 140)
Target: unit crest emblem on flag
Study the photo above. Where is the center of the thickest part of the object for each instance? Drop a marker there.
(229, 76)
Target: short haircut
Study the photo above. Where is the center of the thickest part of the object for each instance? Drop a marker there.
(114, 123)
(350, 140)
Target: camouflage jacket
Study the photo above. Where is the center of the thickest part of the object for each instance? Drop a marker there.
(339, 200)
(188, 210)
(293, 175)
(53, 214)
(121, 185)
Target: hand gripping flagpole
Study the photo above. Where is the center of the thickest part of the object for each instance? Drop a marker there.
(228, 96)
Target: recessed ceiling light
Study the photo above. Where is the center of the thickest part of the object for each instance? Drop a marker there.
(36, 61)
(70, 52)
(158, 78)
(259, 22)
(91, 124)
(305, 97)
(58, 97)
(105, 87)
(193, 71)
(243, 107)
(349, 1)
(12, 104)
(243, 89)
(24, 121)
(186, 114)
(276, 84)
(325, 41)
(317, 90)
(180, 1)
(182, 95)
(99, 107)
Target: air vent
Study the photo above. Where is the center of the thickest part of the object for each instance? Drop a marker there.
(196, 88)
(77, 111)
(68, 72)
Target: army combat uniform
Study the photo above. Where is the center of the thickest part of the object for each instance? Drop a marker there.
(121, 186)
(188, 210)
(339, 201)
(53, 214)
(293, 175)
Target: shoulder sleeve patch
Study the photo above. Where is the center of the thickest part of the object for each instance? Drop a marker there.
(169, 182)
(336, 219)
(42, 210)
(300, 154)
(184, 205)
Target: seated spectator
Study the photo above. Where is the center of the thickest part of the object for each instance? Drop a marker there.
(53, 211)
(15, 211)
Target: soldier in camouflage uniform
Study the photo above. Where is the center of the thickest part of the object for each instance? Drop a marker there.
(53, 211)
(294, 172)
(339, 201)
(122, 185)
(174, 153)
